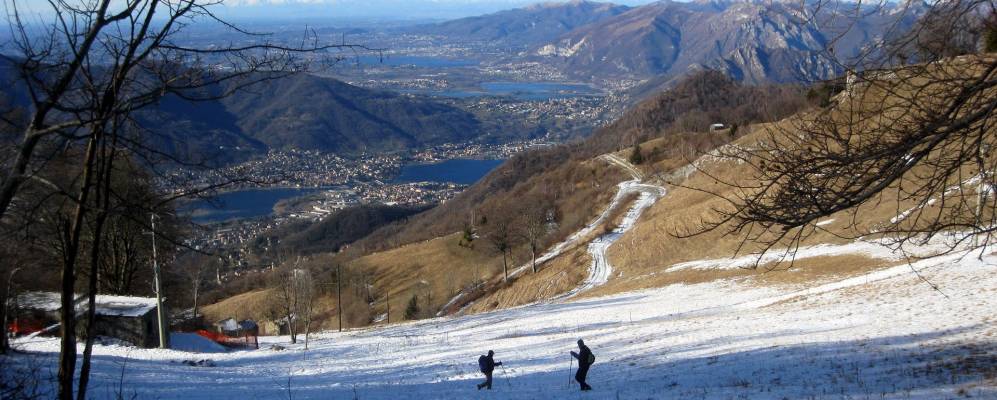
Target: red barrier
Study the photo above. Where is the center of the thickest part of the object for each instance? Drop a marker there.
(247, 341)
(22, 326)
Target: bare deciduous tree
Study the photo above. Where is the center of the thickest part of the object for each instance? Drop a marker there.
(918, 137)
(294, 295)
(534, 225)
(87, 66)
(501, 234)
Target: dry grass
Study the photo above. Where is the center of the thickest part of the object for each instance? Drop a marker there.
(557, 276)
(657, 241)
(436, 269)
(249, 305)
(433, 270)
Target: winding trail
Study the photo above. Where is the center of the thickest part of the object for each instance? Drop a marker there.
(600, 269)
(625, 189)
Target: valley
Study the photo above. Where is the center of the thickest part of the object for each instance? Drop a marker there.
(724, 199)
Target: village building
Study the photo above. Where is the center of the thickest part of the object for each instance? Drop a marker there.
(127, 318)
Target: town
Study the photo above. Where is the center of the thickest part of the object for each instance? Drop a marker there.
(340, 182)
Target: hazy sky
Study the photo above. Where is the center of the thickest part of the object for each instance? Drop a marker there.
(347, 9)
(395, 9)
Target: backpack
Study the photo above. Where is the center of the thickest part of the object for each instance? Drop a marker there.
(482, 363)
(591, 358)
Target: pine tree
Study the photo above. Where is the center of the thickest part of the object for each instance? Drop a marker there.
(412, 311)
(733, 130)
(636, 157)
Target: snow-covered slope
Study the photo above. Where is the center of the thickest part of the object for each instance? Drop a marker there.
(886, 334)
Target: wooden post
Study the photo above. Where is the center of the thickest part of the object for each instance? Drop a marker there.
(339, 295)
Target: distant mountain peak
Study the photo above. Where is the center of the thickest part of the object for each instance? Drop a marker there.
(752, 40)
(528, 25)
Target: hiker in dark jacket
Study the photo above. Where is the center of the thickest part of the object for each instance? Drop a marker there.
(585, 359)
(487, 365)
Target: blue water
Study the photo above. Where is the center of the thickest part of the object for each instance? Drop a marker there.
(251, 203)
(519, 90)
(457, 171)
(418, 61)
(539, 90)
(246, 203)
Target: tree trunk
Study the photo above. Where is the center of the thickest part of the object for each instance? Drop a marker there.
(102, 193)
(197, 285)
(339, 295)
(505, 267)
(533, 250)
(4, 294)
(91, 310)
(67, 312)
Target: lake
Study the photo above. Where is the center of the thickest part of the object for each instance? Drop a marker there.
(418, 61)
(539, 90)
(518, 90)
(245, 203)
(251, 203)
(463, 171)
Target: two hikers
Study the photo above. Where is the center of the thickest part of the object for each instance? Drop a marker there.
(487, 365)
(584, 355)
(585, 360)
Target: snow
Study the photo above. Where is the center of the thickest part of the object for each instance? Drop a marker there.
(624, 189)
(600, 269)
(228, 324)
(41, 301)
(869, 249)
(885, 334)
(108, 305)
(194, 343)
(124, 306)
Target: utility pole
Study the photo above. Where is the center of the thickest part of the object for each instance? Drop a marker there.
(387, 305)
(159, 292)
(339, 295)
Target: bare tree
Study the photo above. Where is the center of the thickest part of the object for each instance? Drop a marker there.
(87, 66)
(534, 226)
(501, 234)
(294, 291)
(919, 137)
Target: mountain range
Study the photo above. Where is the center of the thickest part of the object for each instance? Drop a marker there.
(304, 112)
(529, 25)
(751, 40)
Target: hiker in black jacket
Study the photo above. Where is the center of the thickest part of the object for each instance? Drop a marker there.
(487, 365)
(585, 359)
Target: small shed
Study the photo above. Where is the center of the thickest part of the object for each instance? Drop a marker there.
(278, 326)
(231, 333)
(128, 318)
(227, 326)
(249, 327)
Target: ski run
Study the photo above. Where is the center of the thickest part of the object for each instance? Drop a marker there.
(885, 334)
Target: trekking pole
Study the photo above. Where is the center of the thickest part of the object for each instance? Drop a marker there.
(571, 361)
(505, 375)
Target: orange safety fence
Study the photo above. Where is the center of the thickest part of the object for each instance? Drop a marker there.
(245, 341)
(25, 326)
